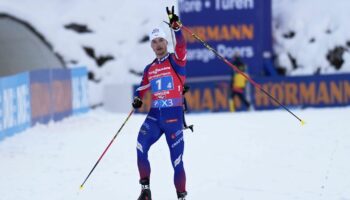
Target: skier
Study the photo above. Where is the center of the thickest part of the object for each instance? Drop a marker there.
(165, 78)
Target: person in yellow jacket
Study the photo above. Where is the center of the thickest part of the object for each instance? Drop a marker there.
(238, 85)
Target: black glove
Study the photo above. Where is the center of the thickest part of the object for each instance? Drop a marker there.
(137, 103)
(174, 21)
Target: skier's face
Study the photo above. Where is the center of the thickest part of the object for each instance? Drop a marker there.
(159, 46)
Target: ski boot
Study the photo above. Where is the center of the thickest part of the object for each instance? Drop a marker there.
(145, 190)
(181, 195)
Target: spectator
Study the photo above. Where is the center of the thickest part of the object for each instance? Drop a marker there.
(238, 84)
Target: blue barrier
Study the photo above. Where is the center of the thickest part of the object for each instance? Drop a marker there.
(208, 96)
(303, 91)
(40, 96)
(293, 92)
(79, 90)
(16, 107)
(40, 84)
(61, 88)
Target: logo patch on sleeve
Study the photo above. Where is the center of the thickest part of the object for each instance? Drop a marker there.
(171, 120)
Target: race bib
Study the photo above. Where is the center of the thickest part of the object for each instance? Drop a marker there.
(162, 84)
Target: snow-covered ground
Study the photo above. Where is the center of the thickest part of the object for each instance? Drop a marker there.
(250, 156)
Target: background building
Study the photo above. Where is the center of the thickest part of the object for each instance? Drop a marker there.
(23, 48)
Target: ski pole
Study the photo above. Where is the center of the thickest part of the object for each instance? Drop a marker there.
(110, 143)
(239, 71)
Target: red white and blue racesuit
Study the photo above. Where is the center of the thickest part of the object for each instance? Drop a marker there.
(162, 77)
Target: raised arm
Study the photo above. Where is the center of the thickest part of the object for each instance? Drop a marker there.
(180, 48)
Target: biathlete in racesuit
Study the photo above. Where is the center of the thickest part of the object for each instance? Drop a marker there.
(164, 77)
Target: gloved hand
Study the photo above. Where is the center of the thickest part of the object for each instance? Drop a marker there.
(174, 21)
(137, 103)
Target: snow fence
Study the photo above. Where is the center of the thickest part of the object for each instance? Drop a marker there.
(40, 96)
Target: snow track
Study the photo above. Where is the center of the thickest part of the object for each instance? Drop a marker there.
(259, 155)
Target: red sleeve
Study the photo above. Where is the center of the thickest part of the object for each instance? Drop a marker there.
(144, 85)
(180, 48)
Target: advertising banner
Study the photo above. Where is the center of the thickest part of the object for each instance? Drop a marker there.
(40, 86)
(208, 96)
(61, 89)
(15, 102)
(79, 90)
(203, 97)
(231, 27)
(40, 96)
(293, 92)
(303, 91)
